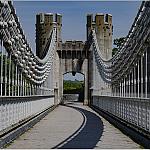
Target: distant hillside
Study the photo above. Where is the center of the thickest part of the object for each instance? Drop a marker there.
(73, 86)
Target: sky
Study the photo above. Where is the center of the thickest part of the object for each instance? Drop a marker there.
(74, 17)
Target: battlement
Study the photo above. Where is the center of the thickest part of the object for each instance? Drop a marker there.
(100, 20)
(73, 45)
(45, 18)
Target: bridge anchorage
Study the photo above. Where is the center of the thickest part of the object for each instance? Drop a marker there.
(32, 85)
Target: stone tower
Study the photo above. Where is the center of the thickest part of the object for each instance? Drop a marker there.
(44, 26)
(102, 24)
(58, 19)
(103, 28)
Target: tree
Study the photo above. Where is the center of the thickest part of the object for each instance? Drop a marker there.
(73, 86)
(114, 50)
(118, 42)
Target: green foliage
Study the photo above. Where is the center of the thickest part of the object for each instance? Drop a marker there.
(73, 86)
(114, 50)
(118, 42)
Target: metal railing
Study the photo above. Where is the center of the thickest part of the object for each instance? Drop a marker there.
(135, 111)
(14, 110)
(26, 82)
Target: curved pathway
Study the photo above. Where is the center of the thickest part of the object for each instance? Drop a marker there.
(73, 126)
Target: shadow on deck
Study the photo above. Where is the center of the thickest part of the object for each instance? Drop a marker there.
(87, 135)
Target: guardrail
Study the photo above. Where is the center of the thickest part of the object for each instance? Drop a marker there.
(70, 97)
(134, 111)
(14, 110)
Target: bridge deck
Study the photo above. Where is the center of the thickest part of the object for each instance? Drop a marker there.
(73, 126)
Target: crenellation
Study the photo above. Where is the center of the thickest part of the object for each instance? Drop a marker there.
(99, 19)
(73, 45)
(58, 19)
(89, 20)
(89, 24)
(108, 19)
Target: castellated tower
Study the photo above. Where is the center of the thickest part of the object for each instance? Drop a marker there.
(44, 25)
(103, 28)
(102, 24)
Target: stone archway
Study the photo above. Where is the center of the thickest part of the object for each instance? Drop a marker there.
(73, 58)
(74, 85)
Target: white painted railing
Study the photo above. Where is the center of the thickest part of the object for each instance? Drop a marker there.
(70, 97)
(16, 109)
(133, 110)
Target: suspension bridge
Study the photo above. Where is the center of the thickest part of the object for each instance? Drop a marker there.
(116, 89)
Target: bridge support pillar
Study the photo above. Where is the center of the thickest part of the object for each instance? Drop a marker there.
(86, 101)
(56, 96)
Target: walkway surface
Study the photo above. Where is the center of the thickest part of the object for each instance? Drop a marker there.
(73, 126)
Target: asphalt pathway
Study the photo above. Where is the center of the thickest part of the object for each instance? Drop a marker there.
(73, 126)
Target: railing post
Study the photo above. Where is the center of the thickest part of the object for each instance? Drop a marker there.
(16, 86)
(132, 83)
(24, 86)
(138, 67)
(21, 86)
(1, 79)
(120, 92)
(18, 82)
(146, 94)
(129, 86)
(142, 76)
(9, 75)
(56, 96)
(135, 81)
(12, 74)
(124, 87)
(5, 75)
